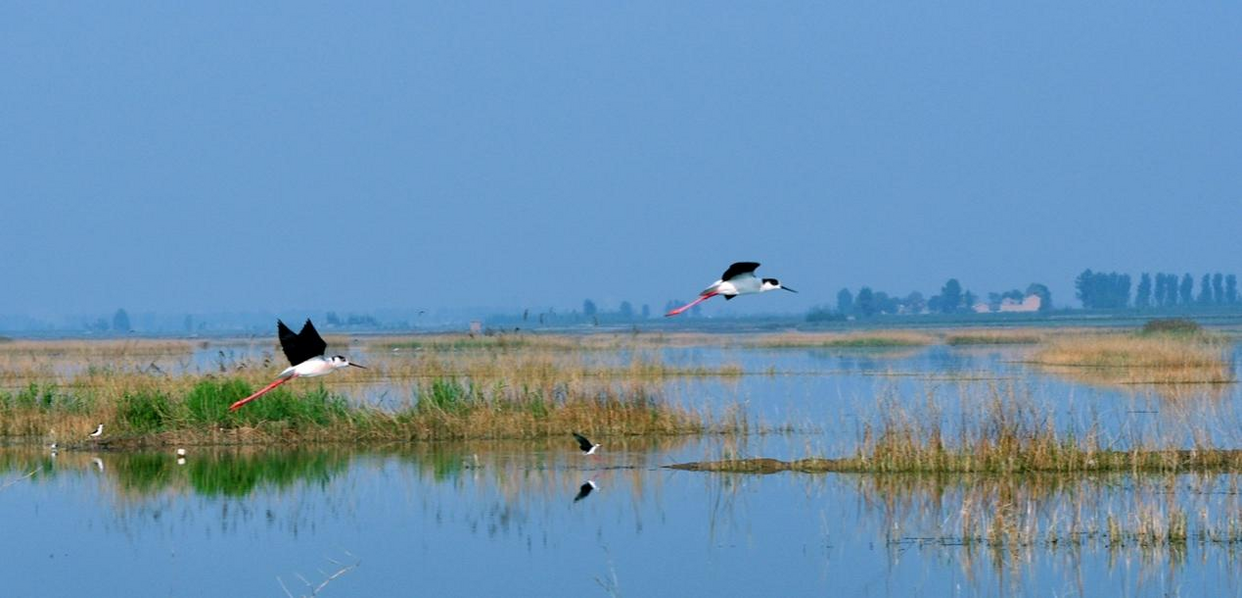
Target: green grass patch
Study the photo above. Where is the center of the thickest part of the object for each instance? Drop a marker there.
(993, 338)
(45, 398)
(1172, 327)
(145, 411)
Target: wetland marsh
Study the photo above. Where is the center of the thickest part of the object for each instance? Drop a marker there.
(979, 466)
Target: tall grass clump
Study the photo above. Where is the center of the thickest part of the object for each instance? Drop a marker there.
(145, 411)
(878, 339)
(994, 337)
(42, 397)
(998, 430)
(1172, 326)
(208, 401)
(1153, 358)
(37, 408)
(447, 408)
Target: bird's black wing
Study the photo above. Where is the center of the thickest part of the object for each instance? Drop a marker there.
(310, 337)
(583, 443)
(739, 268)
(302, 346)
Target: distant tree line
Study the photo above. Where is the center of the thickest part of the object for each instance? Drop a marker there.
(351, 320)
(1099, 290)
(951, 299)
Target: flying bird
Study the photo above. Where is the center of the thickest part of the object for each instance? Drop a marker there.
(305, 351)
(588, 448)
(739, 279)
(585, 490)
(98, 432)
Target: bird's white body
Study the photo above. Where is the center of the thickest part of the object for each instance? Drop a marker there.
(315, 366)
(592, 451)
(742, 284)
(98, 432)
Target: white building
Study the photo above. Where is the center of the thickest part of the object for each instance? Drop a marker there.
(1030, 303)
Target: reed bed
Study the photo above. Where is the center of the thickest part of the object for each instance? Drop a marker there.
(451, 389)
(995, 336)
(441, 408)
(514, 341)
(879, 339)
(254, 361)
(1115, 512)
(1001, 431)
(1140, 358)
(111, 348)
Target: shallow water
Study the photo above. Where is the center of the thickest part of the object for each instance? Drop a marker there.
(499, 518)
(449, 520)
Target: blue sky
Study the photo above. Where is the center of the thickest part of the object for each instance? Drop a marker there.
(231, 156)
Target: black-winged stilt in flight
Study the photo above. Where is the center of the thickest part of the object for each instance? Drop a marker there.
(588, 448)
(739, 279)
(305, 352)
(98, 432)
(585, 490)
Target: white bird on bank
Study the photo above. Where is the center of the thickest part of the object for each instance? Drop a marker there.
(98, 432)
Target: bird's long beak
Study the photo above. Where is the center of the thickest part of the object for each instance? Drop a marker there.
(789, 289)
(357, 366)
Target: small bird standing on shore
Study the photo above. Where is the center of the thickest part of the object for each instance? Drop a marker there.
(98, 432)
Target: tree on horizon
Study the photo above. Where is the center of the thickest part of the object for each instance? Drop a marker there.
(1142, 295)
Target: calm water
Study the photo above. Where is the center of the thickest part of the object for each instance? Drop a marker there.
(498, 519)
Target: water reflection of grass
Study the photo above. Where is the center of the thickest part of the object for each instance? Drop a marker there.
(548, 469)
(1056, 511)
(210, 473)
(239, 474)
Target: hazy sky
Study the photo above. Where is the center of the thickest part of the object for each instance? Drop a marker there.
(210, 156)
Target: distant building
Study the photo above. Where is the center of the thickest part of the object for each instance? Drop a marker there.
(1030, 303)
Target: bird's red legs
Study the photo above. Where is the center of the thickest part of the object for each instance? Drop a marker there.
(265, 389)
(701, 299)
